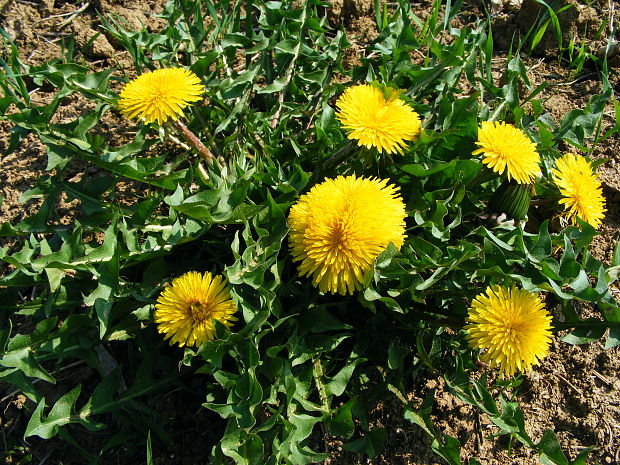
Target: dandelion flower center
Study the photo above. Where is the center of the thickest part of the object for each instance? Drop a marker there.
(339, 228)
(375, 121)
(506, 148)
(580, 188)
(186, 310)
(200, 312)
(160, 95)
(512, 326)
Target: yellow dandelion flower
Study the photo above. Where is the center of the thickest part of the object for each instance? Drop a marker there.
(375, 121)
(341, 226)
(512, 325)
(507, 148)
(580, 188)
(160, 95)
(186, 310)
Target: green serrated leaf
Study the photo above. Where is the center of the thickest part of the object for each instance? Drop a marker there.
(371, 444)
(551, 451)
(338, 383)
(24, 360)
(62, 413)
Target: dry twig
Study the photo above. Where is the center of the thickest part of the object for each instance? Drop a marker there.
(80, 10)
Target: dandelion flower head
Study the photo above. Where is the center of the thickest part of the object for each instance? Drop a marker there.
(512, 326)
(506, 148)
(375, 121)
(582, 194)
(186, 310)
(160, 95)
(341, 226)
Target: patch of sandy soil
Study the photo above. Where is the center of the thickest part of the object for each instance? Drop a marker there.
(575, 391)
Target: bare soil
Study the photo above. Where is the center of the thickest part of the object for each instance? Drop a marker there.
(575, 391)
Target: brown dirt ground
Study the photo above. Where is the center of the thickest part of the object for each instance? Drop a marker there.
(575, 392)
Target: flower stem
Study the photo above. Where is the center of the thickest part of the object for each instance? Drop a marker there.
(337, 157)
(443, 321)
(191, 138)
